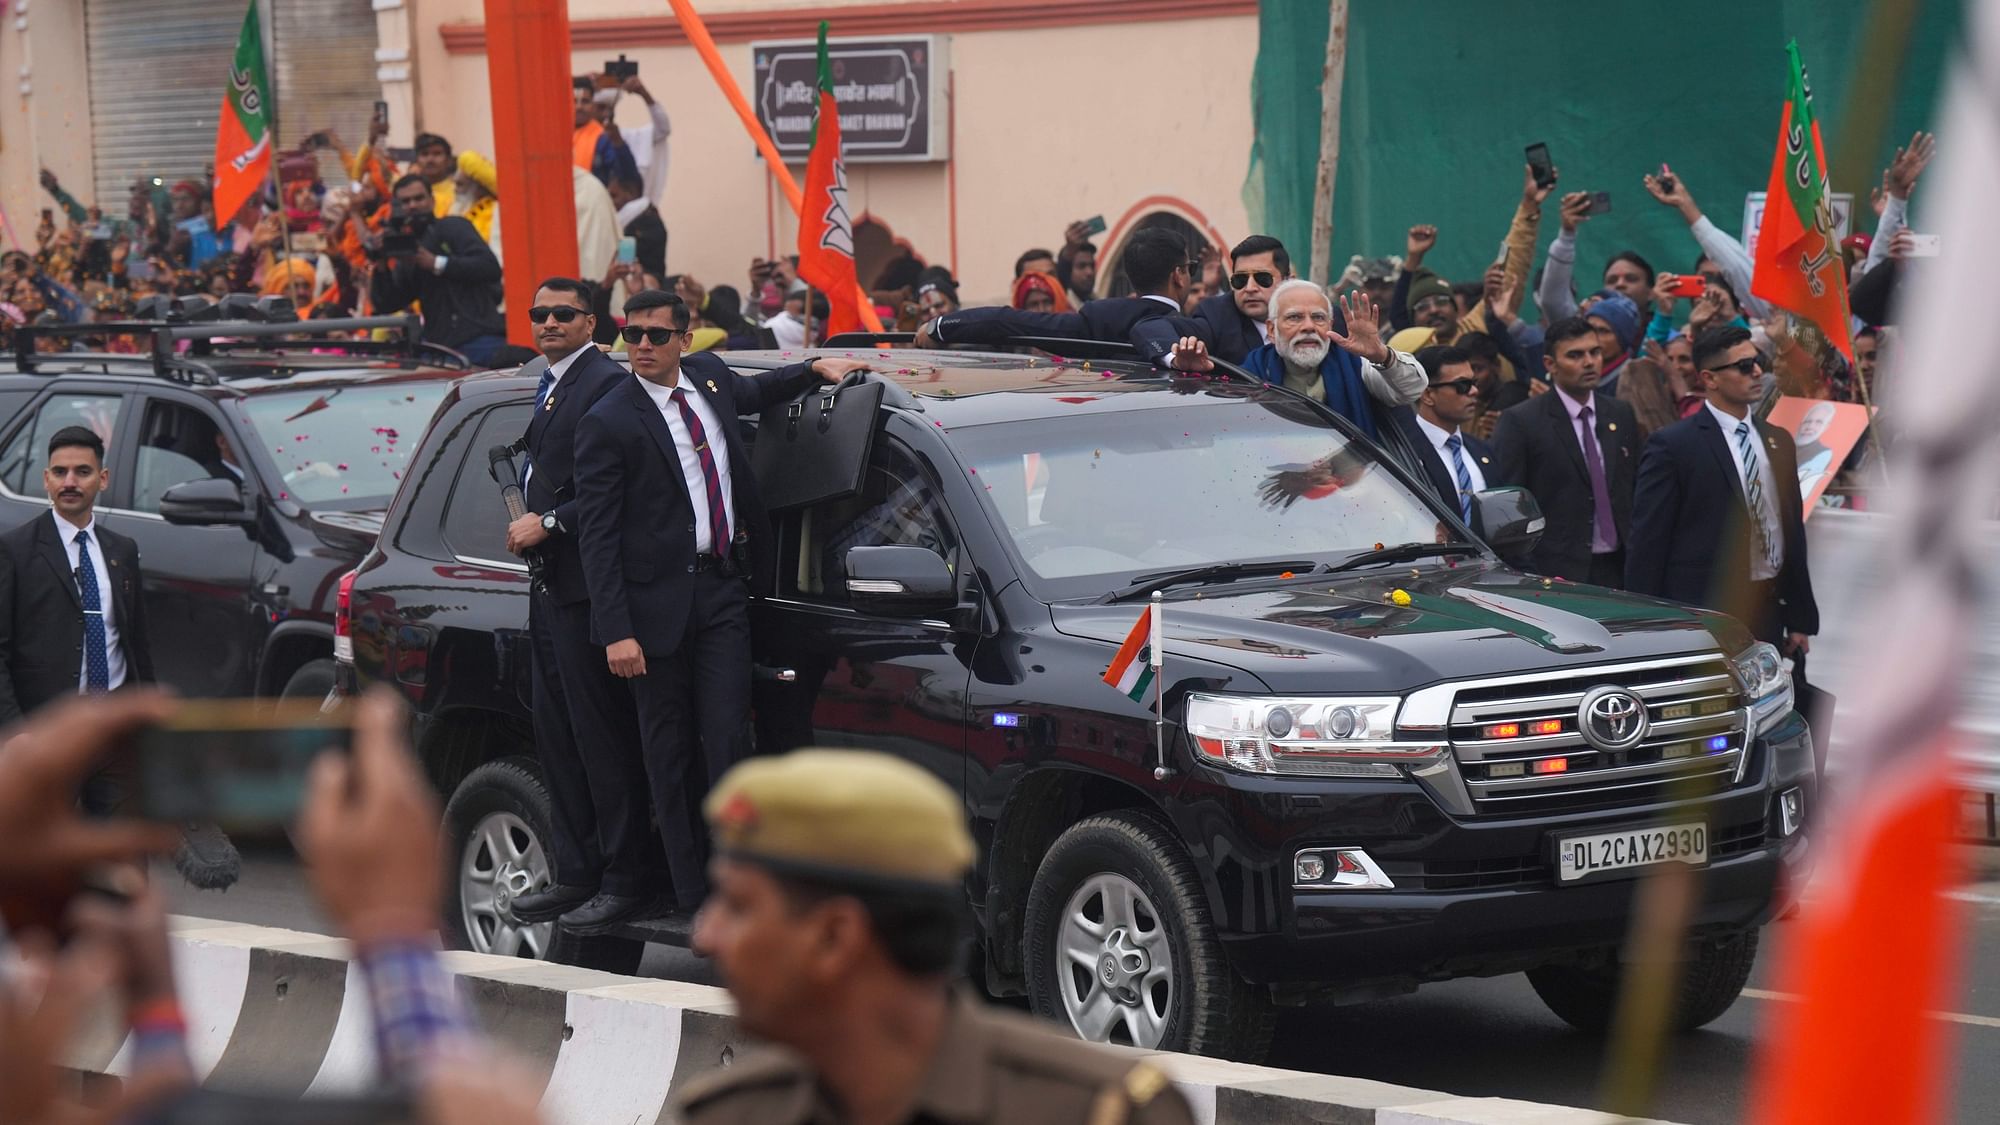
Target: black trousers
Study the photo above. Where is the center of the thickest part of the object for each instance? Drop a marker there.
(1608, 570)
(586, 735)
(694, 705)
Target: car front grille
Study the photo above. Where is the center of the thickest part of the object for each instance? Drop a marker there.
(1521, 751)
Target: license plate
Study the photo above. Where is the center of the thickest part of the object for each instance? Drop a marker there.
(1599, 853)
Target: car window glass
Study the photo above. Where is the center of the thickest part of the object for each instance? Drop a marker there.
(475, 518)
(26, 454)
(178, 443)
(343, 447)
(897, 506)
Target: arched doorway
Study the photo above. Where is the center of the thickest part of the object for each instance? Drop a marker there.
(1156, 213)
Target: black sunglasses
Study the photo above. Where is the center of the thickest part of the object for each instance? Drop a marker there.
(657, 337)
(563, 313)
(1194, 269)
(1741, 367)
(1242, 280)
(1462, 386)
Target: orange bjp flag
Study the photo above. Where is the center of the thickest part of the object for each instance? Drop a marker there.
(243, 135)
(1798, 263)
(826, 230)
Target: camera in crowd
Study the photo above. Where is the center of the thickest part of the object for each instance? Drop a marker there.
(399, 238)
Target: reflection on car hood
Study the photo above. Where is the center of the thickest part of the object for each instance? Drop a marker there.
(1393, 630)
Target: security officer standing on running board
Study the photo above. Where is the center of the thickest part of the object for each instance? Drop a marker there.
(839, 923)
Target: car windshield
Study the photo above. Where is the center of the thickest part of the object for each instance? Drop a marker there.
(344, 447)
(1098, 499)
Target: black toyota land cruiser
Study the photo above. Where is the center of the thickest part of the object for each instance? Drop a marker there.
(1388, 757)
(250, 456)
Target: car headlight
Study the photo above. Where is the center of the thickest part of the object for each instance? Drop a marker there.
(1766, 682)
(1318, 736)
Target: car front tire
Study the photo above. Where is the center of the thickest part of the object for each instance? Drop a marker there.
(1120, 946)
(494, 827)
(1586, 997)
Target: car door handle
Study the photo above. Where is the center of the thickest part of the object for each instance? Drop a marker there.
(782, 675)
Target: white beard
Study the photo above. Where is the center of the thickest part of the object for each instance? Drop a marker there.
(1301, 355)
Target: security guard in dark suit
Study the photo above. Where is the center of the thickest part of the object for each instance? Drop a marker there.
(585, 732)
(837, 922)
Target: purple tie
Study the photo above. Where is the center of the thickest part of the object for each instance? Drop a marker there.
(718, 512)
(1600, 493)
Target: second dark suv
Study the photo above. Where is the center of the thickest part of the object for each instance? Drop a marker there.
(250, 461)
(1387, 758)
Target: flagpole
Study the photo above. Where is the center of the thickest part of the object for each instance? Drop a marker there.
(1156, 651)
(269, 24)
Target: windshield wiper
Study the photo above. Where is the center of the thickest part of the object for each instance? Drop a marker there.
(1147, 583)
(1402, 552)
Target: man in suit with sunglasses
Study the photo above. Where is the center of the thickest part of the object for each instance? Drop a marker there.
(1716, 515)
(672, 529)
(1238, 321)
(1454, 462)
(585, 729)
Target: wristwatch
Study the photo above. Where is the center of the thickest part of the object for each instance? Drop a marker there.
(550, 524)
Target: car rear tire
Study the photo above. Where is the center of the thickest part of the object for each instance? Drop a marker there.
(312, 681)
(1120, 947)
(494, 827)
(1586, 998)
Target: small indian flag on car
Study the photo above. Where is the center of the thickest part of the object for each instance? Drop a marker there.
(1132, 670)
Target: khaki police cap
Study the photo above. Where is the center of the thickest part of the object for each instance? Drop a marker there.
(842, 814)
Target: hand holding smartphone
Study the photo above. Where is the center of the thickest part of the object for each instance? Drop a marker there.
(240, 764)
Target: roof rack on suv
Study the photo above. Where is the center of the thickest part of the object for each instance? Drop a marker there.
(210, 337)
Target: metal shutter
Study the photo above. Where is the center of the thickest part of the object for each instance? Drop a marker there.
(324, 67)
(158, 67)
(157, 71)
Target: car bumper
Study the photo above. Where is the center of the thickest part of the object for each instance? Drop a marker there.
(1476, 895)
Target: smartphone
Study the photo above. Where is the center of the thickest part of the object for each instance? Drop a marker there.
(238, 763)
(138, 269)
(382, 114)
(628, 250)
(621, 67)
(48, 215)
(1094, 225)
(1538, 162)
(316, 140)
(1924, 245)
(1694, 285)
(1666, 178)
(1600, 203)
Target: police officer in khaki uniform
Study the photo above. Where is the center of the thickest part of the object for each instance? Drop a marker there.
(838, 920)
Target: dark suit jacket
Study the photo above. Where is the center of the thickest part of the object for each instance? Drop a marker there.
(551, 444)
(1435, 471)
(1691, 534)
(1535, 446)
(41, 614)
(637, 518)
(1150, 326)
(649, 237)
(1231, 335)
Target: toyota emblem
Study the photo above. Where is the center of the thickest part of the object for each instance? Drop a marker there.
(1611, 718)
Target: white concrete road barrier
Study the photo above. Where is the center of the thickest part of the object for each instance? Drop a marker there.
(280, 1011)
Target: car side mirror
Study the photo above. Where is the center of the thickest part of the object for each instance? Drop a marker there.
(208, 501)
(900, 580)
(1510, 519)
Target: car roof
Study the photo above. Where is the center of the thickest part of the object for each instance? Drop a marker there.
(238, 374)
(965, 388)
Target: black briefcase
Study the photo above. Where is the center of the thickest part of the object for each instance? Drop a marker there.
(816, 447)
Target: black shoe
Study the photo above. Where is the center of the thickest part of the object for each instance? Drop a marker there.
(550, 903)
(607, 912)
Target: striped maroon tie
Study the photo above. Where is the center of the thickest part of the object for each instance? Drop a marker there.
(718, 512)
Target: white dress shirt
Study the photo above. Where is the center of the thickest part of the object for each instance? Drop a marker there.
(558, 369)
(1438, 435)
(1761, 569)
(114, 655)
(1599, 544)
(697, 486)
